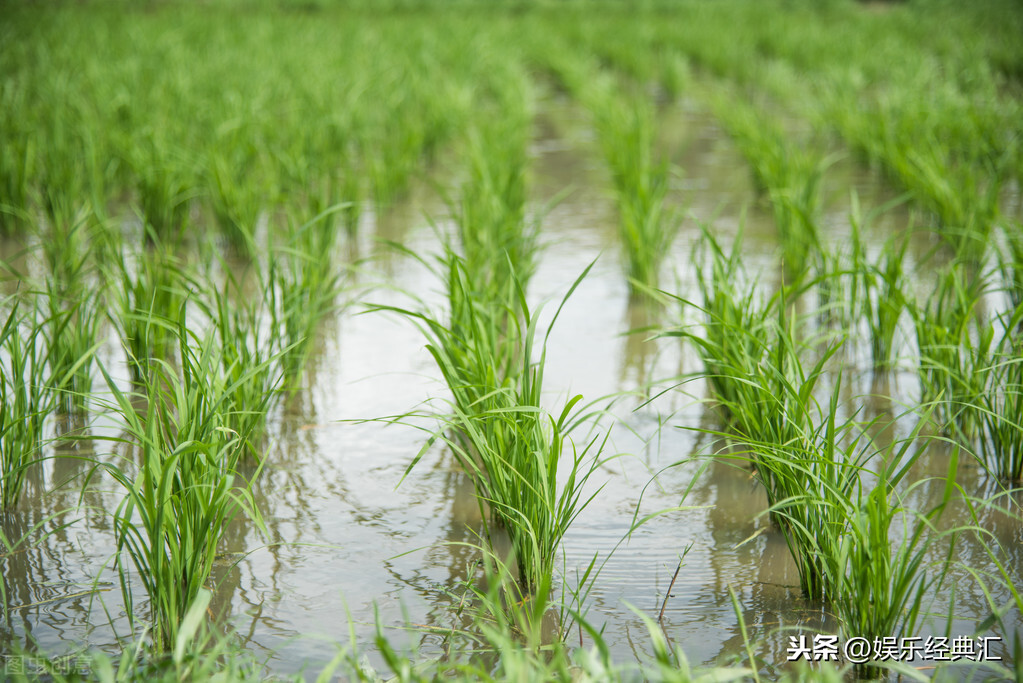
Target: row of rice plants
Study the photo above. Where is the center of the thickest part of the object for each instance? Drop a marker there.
(246, 152)
(626, 127)
(789, 175)
(938, 122)
(198, 403)
(528, 475)
(834, 508)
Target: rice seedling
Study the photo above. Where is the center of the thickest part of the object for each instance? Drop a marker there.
(246, 357)
(999, 403)
(884, 299)
(880, 592)
(25, 400)
(147, 296)
(498, 241)
(790, 180)
(728, 358)
(184, 491)
(836, 287)
(332, 176)
(164, 185)
(72, 324)
(16, 158)
(510, 447)
(300, 289)
(808, 463)
(646, 226)
(72, 338)
(479, 350)
(235, 194)
(951, 345)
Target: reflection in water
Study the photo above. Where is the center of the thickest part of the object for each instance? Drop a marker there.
(643, 318)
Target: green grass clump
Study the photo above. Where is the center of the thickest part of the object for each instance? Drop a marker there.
(148, 290)
(164, 181)
(299, 290)
(71, 332)
(184, 492)
(728, 358)
(789, 176)
(25, 400)
(1000, 402)
(646, 226)
(884, 300)
(525, 468)
(880, 591)
(1010, 263)
(499, 242)
(951, 343)
(247, 362)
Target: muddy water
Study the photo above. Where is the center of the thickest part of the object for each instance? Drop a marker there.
(347, 542)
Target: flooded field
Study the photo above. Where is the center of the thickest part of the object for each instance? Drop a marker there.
(359, 527)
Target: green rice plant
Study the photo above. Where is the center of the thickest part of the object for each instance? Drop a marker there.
(790, 178)
(299, 290)
(148, 293)
(72, 304)
(164, 184)
(879, 591)
(184, 491)
(940, 323)
(837, 287)
(246, 351)
(750, 350)
(513, 456)
(514, 451)
(72, 338)
(884, 300)
(332, 176)
(807, 461)
(16, 160)
(999, 407)
(61, 187)
(25, 400)
(951, 346)
(755, 369)
(479, 348)
(728, 358)
(498, 241)
(646, 226)
(236, 197)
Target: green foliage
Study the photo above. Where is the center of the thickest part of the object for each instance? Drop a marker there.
(788, 174)
(183, 494)
(25, 399)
